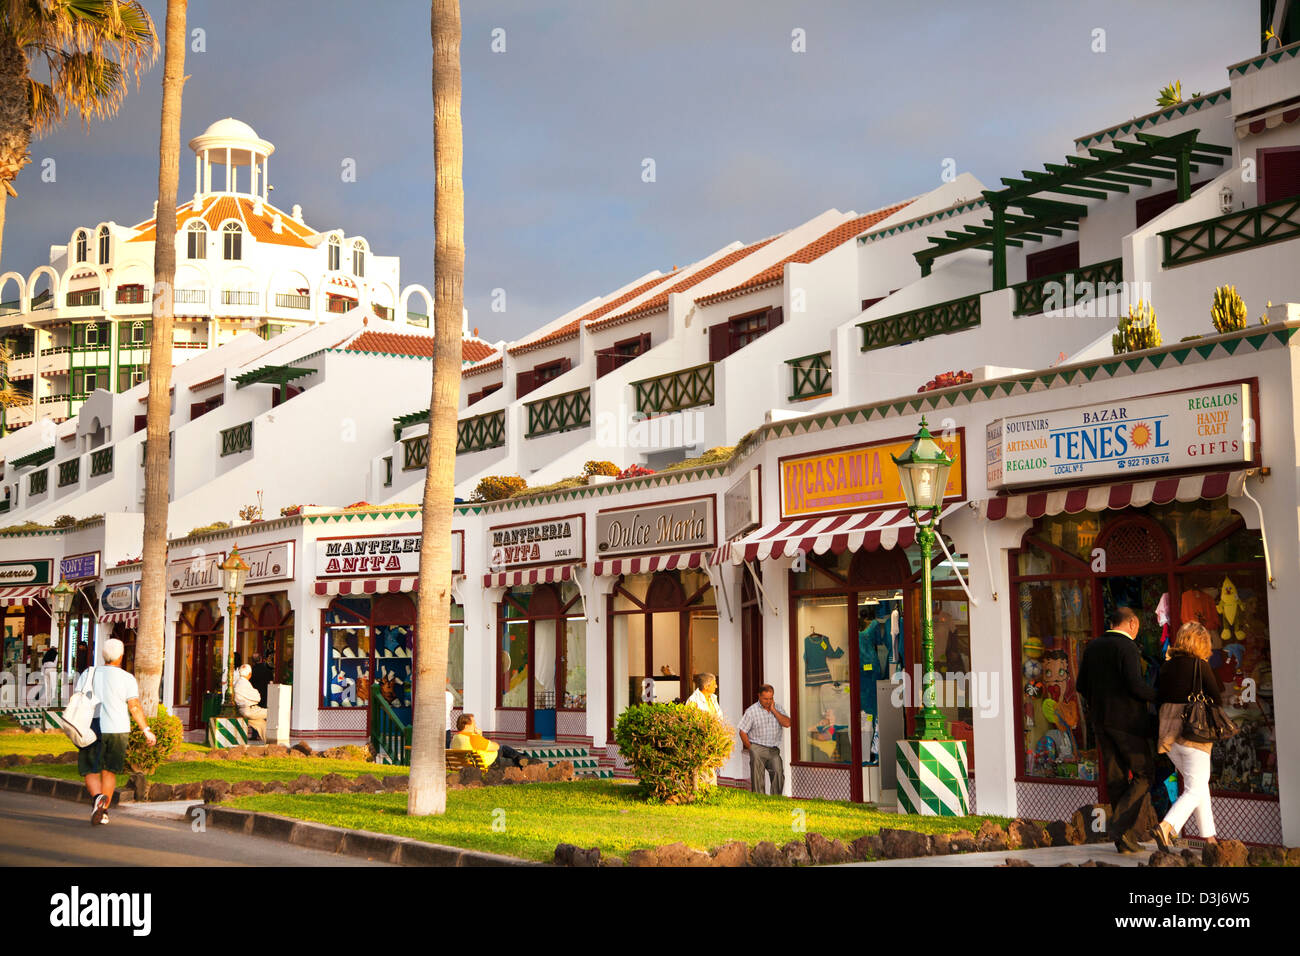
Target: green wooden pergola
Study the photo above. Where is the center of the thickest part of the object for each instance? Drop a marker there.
(280, 375)
(35, 458)
(1023, 212)
(411, 418)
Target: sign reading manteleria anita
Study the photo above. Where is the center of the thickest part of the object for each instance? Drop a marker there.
(685, 525)
(384, 554)
(537, 542)
(1190, 428)
(860, 477)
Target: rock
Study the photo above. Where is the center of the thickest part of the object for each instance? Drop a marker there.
(643, 858)
(1147, 821)
(335, 783)
(470, 775)
(577, 856)
(306, 783)
(564, 854)
(454, 784)
(1225, 853)
(561, 772)
(735, 853)
(188, 791)
(1013, 861)
(161, 791)
(367, 783)
(1266, 856)
(19, 760)
(1026, 835)
(825, 851)
(1059, 834)
(43, 758)
(275, 786)
(900, 844)
(1293, 856)
(612, 861)
(303, 748)
(963, 841)
(69, 757)
(140, 784)
(214, 791)
(796, 853)
(1098, 863)
(254, 750)
(495, 775)
(1191, 857)
(398, 782)
(297, 753)
(1090, 820)
(246, 788)
(536, 772)
(865, 847)
(237, 752)
(277, 750)
(515, 775)
(990, 837)
(1162, 859)
(765, 853)
(218, 755)
(679, 854)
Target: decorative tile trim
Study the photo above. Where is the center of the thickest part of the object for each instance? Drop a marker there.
(924, 220)
(1153, 119)
(1259, 62)
(369, 514)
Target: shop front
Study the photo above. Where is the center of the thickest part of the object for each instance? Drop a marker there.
(119, 603)
(24, 603)
(82, 572)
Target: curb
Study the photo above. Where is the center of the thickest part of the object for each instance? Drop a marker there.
(360, 843)
(73, 790)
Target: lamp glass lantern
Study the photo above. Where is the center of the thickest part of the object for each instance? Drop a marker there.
(61, 598)
(234, 572)
(923, 471)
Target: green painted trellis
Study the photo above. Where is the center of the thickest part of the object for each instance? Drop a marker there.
(415, 453)
(101, 461)
(1030, 295)
(559, 413)
(955, 315)
(237, 439)
(69, 472)
(38, 482)
(1258, 226)
(686, 388)
(481, 432)
(810, 376)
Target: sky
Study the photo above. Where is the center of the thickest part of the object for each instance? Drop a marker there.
(756, 114)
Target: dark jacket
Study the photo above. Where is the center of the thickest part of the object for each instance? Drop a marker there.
(1178, 680)
(1110, 680)
(261, 678)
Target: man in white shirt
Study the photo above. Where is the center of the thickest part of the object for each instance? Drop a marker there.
(760, 730)
(117, 703)
(248, 701)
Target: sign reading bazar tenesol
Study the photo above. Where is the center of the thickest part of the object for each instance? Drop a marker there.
(1191, 428)
(680, 526)
(537, 542)
(383, 554)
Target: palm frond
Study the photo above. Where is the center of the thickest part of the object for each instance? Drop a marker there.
(46, 110)
(90, 84)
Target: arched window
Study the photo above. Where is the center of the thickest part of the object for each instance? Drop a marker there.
(197, 240)
(103, 245)
(82, 244)
(233, 241)
(358, 259)
(334, 254)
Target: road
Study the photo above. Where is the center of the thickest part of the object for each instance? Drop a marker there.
(43, 831)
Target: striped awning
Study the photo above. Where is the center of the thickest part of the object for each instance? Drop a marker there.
(1133, 494)
(1283, 115)
(16, 595)
(129, 618)
(870, 531)
(646, 564)
(511, 579)
(368, 586)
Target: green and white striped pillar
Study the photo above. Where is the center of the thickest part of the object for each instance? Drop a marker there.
(227, 732)
(932, 778)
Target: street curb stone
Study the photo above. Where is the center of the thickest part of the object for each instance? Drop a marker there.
(53, 787)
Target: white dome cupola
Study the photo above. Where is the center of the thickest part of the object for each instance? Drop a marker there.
(234, 145)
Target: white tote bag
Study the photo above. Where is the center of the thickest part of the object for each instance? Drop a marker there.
(76, 717)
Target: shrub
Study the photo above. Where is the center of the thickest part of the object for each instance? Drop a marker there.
(635, 471)
(674, 749)
(142, 758)
(498, 487)
(577, 481)
(599, 468)
(64, 521)
(215, 526)
(713, 456)
(1227, 310)
(1137, 330)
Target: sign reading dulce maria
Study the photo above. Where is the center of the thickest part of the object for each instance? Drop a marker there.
(681, 526)
(121, 597)
(859, 478)
(1190, 428)
(387, 554)
(26, 572)
(79, 566)
(540, 542)
(199, 573)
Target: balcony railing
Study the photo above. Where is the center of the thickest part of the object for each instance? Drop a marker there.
(56, 350)
(810, 376)
(340, 306)
(415, 454)
(955, 315)
(1070, 288)
(383, 312)
(287, 300)
(69, 472)
(559, 413)
(191, 296)
(236, 440)
(235, 297)
(481, 432)
(130, 295)
(83, 298)
(101, 461)
(688, 388)
(38, 482)
(46, 303)
(52, 399)
(1258, 226)
(417, 318)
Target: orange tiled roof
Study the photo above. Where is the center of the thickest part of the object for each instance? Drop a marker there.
(814, 250)
(217, 209)
(481, 368)
(571, 329)
(394, 343)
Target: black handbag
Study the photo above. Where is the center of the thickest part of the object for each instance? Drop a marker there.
(1203, 720)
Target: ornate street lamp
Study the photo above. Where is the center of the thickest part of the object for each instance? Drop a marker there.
(233, 574)
(61, 597)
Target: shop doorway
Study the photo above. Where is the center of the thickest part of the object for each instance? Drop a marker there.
(199, 633)
(543, 656)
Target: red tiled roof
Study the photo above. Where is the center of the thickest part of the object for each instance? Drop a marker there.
(217, 210)
(206, 382)
(479, 369)
(571, 329)
(394, 343)
(814, 250)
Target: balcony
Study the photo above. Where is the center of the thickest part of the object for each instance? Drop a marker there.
(955, 315)
(130, 295)
(86, 297)
(69, 472)
(417, 318)
(415, 455)
(688, 388)
(481, 432)
(383, 312)
(559, 413)
(1049, 293)
(101, 461)
(810, 376)
(237, 440)
(38, 482)
(1258, 226)
(235, 297)
(286, 300)
(190, 296)
(341, 306)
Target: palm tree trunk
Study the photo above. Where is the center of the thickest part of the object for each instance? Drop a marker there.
(157, 460)
(428, 781)
(15, 119)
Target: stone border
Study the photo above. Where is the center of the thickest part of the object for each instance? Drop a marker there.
(54, 787)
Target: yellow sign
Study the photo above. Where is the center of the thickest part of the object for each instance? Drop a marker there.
(858, 478)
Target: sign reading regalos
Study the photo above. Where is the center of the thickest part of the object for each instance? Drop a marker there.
(1190, 428)
(388, 555)
(860, 478)
(538, 542)
(686, 525)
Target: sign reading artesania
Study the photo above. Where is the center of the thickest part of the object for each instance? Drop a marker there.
(25, 572)
(386, 554)
(680, 526)
(539, 542)
(1191, 428)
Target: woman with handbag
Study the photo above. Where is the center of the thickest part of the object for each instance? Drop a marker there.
(1187, 691)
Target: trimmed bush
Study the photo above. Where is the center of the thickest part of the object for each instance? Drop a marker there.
(498, 487)
(140, 757)
(674, 749)
(600, 468)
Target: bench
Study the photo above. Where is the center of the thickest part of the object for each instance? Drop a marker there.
(458, 760)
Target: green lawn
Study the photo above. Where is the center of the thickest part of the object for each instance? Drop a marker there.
(53, 743)
(251, 768)
(600, 813)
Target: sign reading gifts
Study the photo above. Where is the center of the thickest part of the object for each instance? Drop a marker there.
(387, 554)
(859, 478)
(680, 526)
(1190, 428)
(539, 542)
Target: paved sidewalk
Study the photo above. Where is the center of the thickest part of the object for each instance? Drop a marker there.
(1048, 856)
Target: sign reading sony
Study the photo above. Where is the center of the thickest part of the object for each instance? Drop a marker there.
(682, 525)
(540, 542)
(1190, 428)
(79, 567)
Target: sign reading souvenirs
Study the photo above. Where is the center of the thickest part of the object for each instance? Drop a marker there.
(79, 566)
(382, 554)
(25, 572)
(540, 542)
(860, 478)
(121, 597)
(1190, 428)
(741, 505)
(680, 526)
(199, 573)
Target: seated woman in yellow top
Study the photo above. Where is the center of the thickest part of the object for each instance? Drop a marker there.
(468, 737)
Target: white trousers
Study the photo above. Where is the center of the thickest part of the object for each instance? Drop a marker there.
(1194, 766)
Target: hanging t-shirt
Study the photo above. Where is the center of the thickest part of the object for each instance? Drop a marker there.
(1199, 606)
(873, 658)
(817, 649)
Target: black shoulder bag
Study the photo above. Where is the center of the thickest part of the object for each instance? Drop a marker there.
(1203, 720)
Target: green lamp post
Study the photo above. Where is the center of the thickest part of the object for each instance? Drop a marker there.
(61, 597)
(234, 572)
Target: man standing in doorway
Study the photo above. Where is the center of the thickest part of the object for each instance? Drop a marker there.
(760, 731)
(1110, 680)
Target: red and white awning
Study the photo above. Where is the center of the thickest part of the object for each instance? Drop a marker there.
(1134, 494)
(368, 586)
(16, 595)
(653, 562)
(1283, 115)
(129, 618)
(511, 579)
(870, 531)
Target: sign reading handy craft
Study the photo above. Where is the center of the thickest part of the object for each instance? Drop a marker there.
(859, 478)
(1191, 428)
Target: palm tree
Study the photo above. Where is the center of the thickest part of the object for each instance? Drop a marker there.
(428, 782)
(83, 52)
(157, 459)
(10, 397)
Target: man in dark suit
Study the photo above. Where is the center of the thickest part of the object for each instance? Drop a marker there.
(261, 679)
(1110, 680)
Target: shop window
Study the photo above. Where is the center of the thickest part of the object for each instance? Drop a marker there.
(368, 647)
(199, 644)
(1279, 173)
(543, 654)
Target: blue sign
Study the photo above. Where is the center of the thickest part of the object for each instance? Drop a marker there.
(79, 566)
(121, 597)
